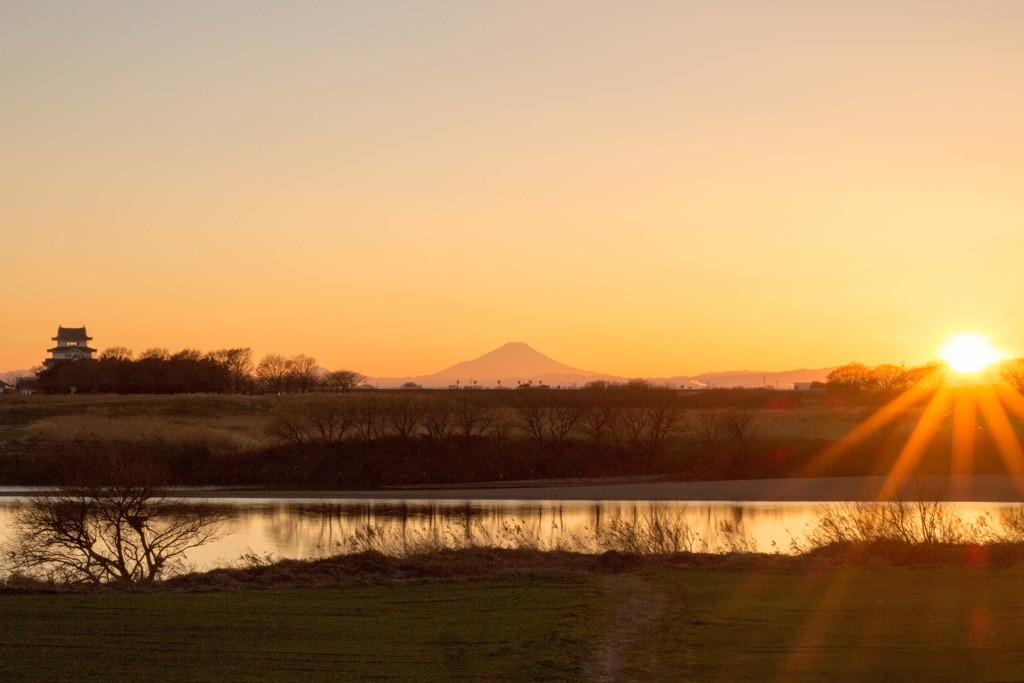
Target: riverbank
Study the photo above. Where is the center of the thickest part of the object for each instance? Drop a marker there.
(388, 440)
(977, 489)
(990, 488)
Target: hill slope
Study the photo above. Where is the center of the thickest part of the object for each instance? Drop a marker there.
(508, 365)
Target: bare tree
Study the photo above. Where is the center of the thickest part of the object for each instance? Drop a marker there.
(369, 424)
(345, 380)
(1013, 373)
(601, 411)
(475, 415)
(630, 426)
(314, 419)
(438, 418)
(191, 355)
(125, 533)
(155, 353)
(562, 419)
(272, 371)
(717, 424)
(851, 376)
(121, 353)
(889, 378)
(663, 416)
(239, 363)
(530, 413)
(545, 416)
(402, 415)
(303, 372)
(928, 376)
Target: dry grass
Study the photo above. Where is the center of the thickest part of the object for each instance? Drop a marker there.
(222, 434)
(221, 423)
(808, 423)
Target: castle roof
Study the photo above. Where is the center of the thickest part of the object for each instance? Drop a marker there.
(69, 349)
(71, 334)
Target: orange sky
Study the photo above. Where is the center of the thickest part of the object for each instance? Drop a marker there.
(394, 187)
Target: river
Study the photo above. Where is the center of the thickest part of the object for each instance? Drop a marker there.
(318, 527)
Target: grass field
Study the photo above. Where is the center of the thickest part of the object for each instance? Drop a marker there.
(229, 423)
(952, 623)
(487, 630)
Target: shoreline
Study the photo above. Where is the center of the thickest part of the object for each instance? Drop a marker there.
(981, 488)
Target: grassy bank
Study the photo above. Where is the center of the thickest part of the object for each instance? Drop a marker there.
(628, 620)
(376, 439)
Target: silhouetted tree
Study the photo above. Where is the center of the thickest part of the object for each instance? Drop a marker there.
(369, 424)
(1012, 373)
(402, 415)
(319, 419)
(119, 353)
(475, 414)
(239, 363)
(929, 376)
(272, 372)
(303, 373)
(889, 378)
(851, 376)
(438, 417)
(121, 532)
(345, 380)
(714, 425)
(155, 353)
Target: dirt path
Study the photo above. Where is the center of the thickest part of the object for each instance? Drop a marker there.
(627, 650)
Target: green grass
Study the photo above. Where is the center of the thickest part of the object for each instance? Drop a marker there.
(487, 630)
(891, 624)
(951, 623)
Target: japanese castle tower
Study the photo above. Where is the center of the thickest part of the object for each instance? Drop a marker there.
(72, 344)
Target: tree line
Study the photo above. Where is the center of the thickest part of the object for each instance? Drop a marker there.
(158, 371)
(884, 378)
(635, 416)
(888, 378)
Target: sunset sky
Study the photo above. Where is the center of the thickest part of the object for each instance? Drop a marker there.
(643, 189)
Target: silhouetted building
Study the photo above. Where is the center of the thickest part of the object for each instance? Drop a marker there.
(72, 344)
(26, 385)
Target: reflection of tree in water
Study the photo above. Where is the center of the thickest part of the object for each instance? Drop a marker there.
(319, 528)
(305, 528)
(313, 529)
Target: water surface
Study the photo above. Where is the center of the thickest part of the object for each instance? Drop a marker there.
(310, 528)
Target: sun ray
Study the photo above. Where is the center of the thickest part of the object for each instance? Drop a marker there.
(1002, 432)
(1011, 398)
(800, 658)
(920, 438)
(965, 416)
(883, 416)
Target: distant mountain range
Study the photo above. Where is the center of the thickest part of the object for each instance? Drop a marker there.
(11, 375)
(518, 363)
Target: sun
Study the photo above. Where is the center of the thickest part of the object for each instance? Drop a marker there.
(968, 353)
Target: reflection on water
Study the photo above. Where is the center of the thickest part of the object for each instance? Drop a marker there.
(317, 528)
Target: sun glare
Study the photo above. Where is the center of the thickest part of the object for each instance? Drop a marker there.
(969, 353)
